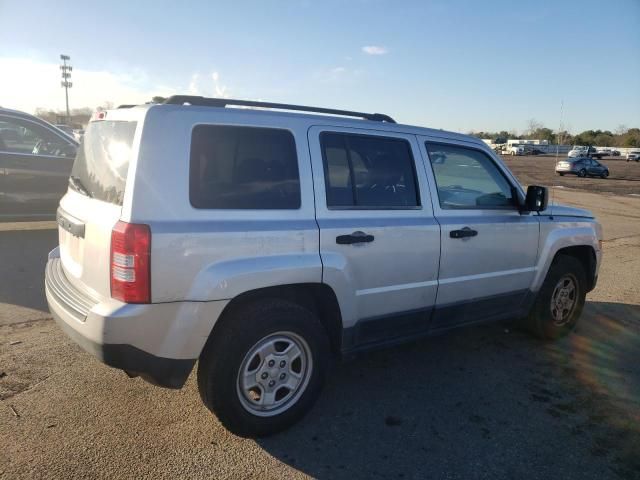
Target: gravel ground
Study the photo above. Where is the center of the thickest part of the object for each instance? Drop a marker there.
(481, 402)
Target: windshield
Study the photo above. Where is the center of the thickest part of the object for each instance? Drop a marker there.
(102, 161)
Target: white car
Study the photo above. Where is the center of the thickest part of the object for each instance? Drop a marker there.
(633, 155)
(78, 134)
(591, 152)
(260, 243)
(514, 150)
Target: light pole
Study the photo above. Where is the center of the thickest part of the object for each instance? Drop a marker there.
(66, 79)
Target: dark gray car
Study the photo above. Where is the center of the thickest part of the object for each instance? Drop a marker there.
(582, 166)
(35, 162)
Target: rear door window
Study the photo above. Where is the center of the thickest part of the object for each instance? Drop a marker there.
(243, 168)
(102, 163)
(367, 171)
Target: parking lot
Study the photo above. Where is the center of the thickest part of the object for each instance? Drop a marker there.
(483, 402)
(624, 178)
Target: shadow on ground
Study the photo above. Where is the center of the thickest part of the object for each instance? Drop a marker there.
(483, 402)
(23, 256)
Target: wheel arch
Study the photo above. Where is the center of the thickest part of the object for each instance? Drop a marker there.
(560, 237)
(317, 297)
(586, 255)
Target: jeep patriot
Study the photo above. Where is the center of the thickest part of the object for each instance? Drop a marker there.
(262, 242)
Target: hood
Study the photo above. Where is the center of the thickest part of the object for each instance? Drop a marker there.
(566, 211)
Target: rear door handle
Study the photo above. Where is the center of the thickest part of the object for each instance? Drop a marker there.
(355, 237)
(464, 233)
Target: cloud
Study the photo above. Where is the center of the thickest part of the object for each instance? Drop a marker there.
(33, 84)
(375, 50)
(338, 74)
(207, 85)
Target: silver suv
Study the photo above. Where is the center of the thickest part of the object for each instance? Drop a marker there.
(261, 243)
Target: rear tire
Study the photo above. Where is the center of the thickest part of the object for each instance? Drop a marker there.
(250, 348)
(560, 300)
(561, 174)
(582, 173)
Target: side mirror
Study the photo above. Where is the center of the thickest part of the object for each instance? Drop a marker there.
(537, 198)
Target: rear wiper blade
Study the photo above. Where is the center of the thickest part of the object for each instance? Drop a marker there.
(77, 185)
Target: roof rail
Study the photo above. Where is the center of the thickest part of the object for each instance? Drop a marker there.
(126, 106)
(224, 102)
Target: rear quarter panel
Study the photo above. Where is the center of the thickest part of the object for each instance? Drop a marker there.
(204, 255)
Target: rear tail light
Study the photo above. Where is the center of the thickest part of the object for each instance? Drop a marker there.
(131, 262)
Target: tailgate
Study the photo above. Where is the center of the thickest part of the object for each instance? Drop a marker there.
(84, 235)
(93, 203)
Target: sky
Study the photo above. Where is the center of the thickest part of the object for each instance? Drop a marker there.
(457, 65)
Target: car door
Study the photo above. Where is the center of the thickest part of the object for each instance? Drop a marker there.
(379, 241)
(595, 168)
(35, 163)
(488, 249)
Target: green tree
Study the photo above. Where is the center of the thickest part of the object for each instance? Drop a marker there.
(543, 133)
(631, 138)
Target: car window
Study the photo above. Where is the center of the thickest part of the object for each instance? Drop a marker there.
(25, 137)
(468, 179)
(243, 168)
(102, 163)
(366, 171)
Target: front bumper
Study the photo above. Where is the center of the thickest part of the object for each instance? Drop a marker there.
(159, 342)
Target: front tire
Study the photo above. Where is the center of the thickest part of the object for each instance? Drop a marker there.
(561, 299)
(605, 174)
(263, 367)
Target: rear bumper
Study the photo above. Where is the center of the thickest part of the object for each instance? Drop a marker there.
(159, 342)
(164, 372)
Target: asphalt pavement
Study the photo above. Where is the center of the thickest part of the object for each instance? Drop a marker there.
(481, 402)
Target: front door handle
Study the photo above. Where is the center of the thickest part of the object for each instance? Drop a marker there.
(355, 237)
(464, 233)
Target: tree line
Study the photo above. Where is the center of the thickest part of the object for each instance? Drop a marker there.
(622, 137)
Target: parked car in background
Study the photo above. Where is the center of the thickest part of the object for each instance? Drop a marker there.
(531, 150)
(585, 151)
(78, 133)
(615, 153)
(513, 150)
(633, 155)
(35, 161)
(582, 167)
(283, 240)
(66, 129)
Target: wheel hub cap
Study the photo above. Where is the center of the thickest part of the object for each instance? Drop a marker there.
(274, 374)
(564, 300)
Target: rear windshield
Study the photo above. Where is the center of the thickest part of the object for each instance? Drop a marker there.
(103, 159)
